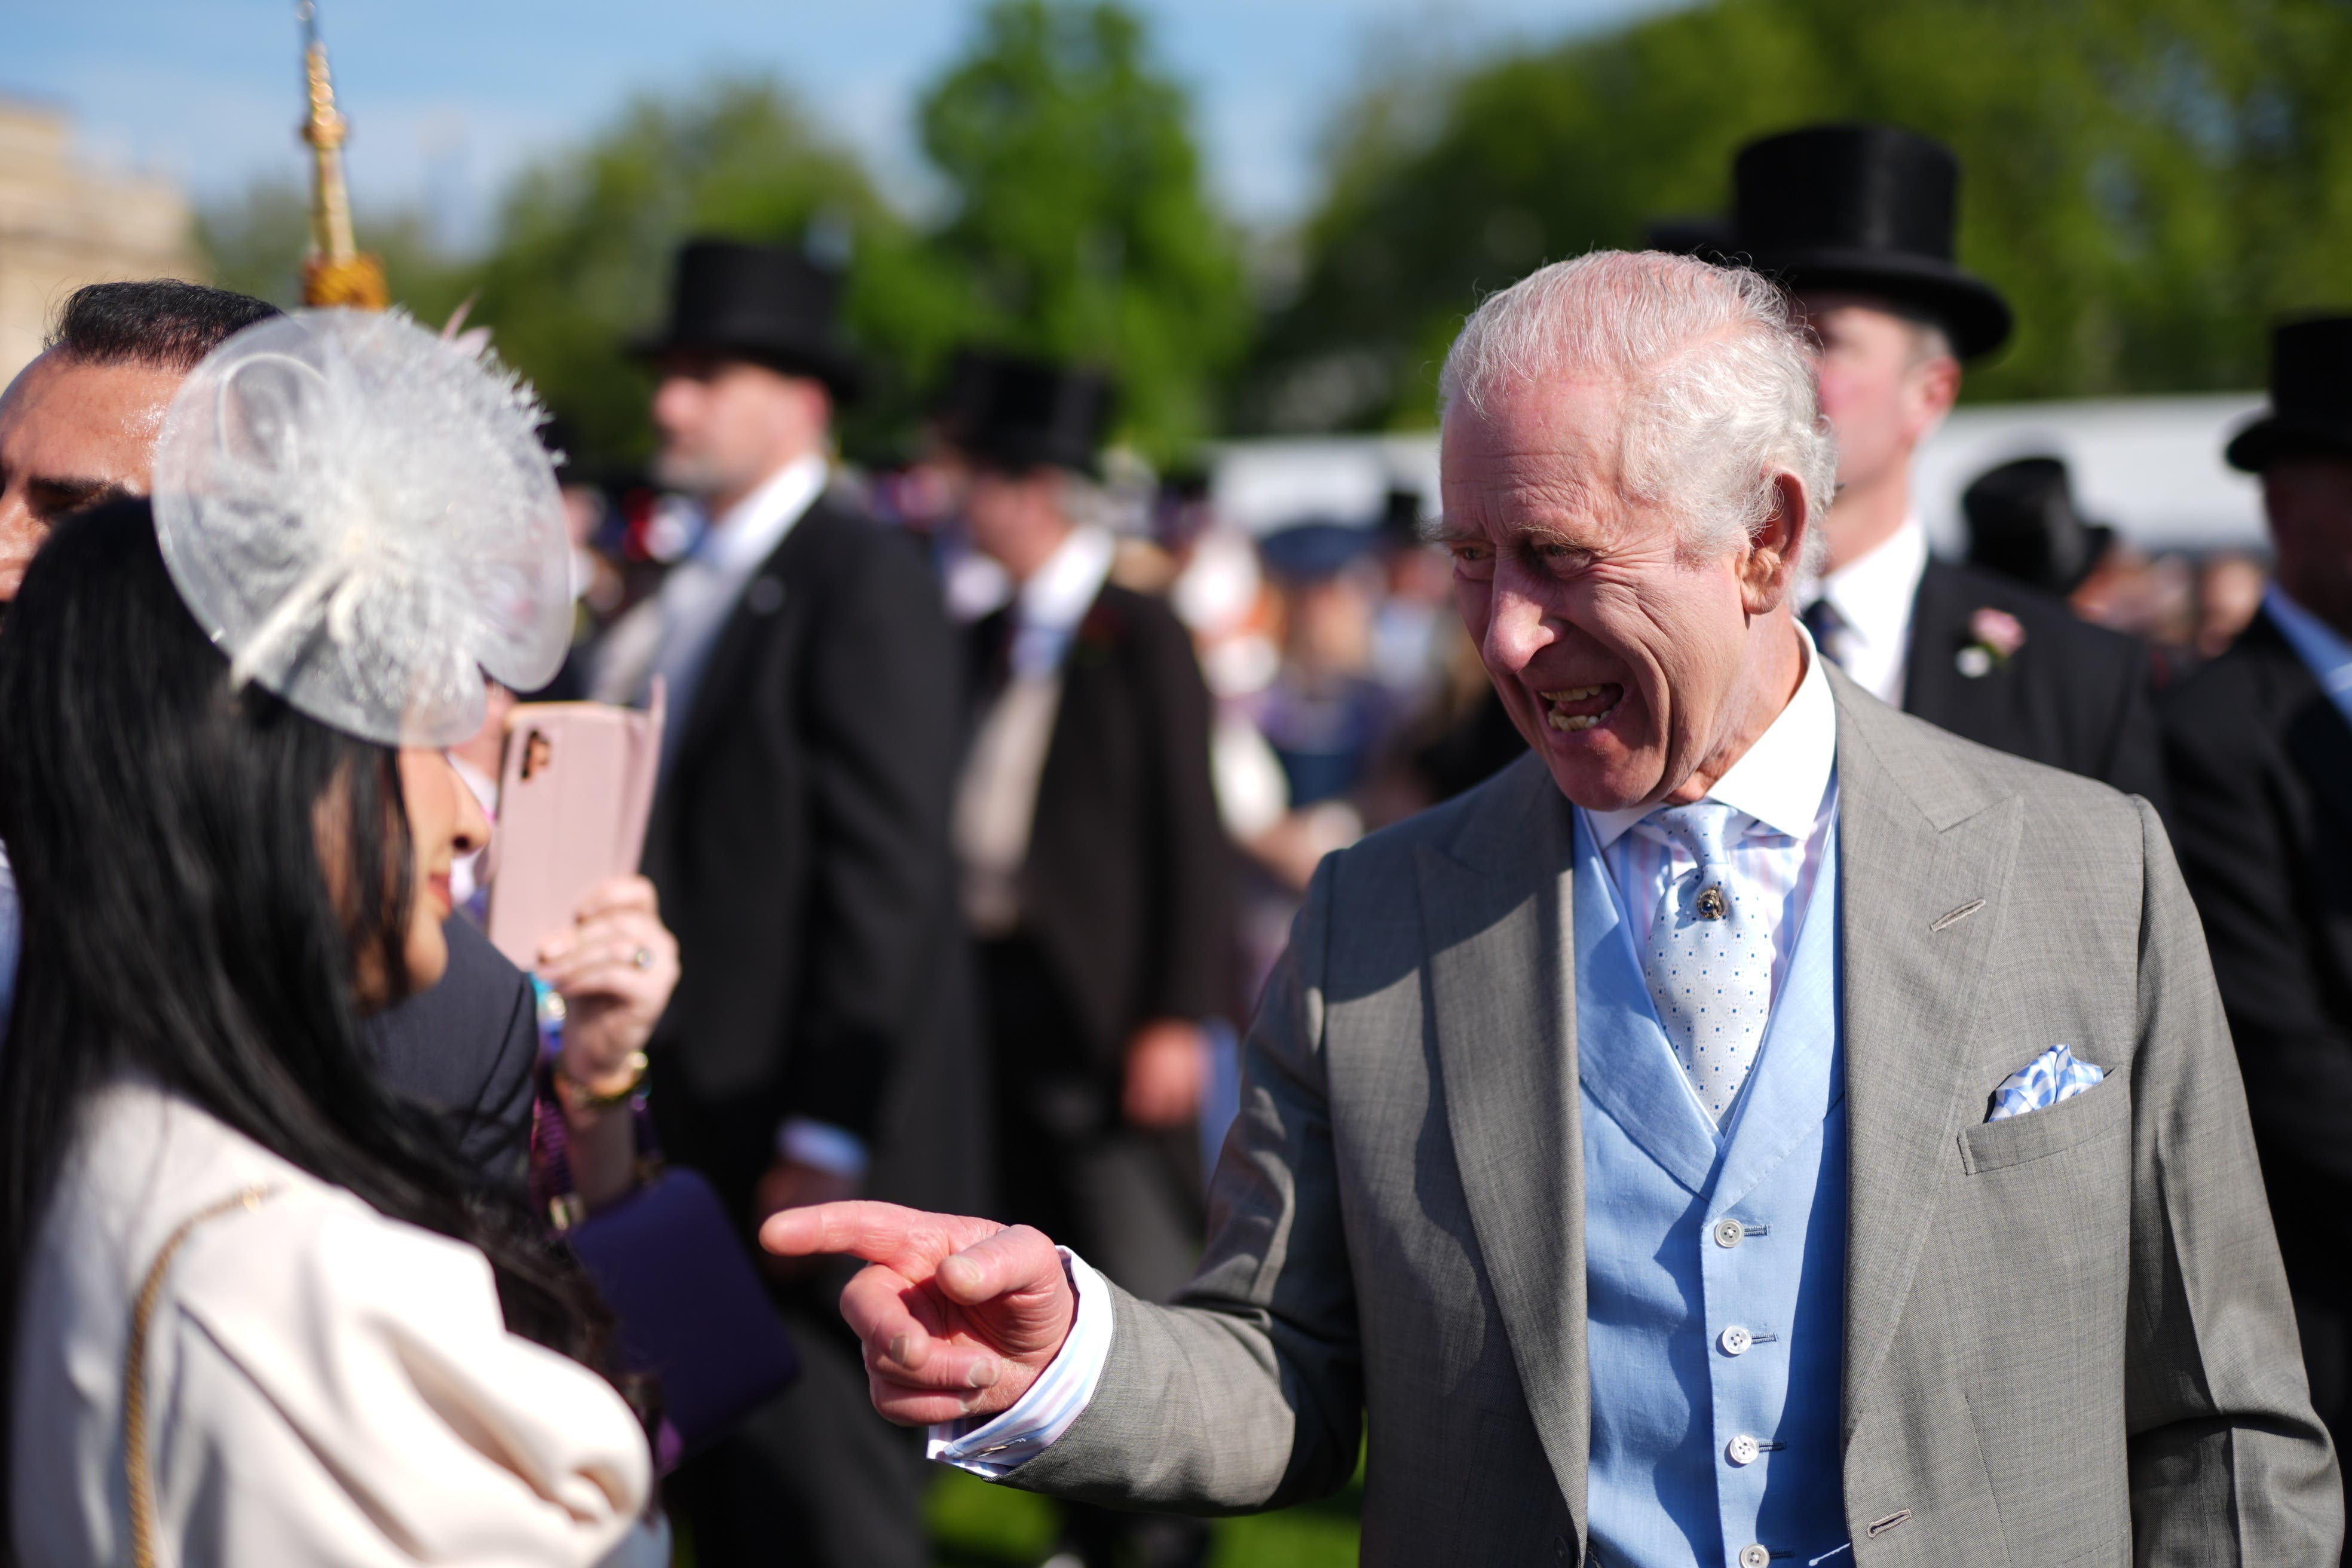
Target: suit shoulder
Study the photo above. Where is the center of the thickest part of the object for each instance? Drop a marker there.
(1951, 776)
(866, 566)
(1144, 615)
(1143, 628)
(2234, 696)
(845, 529)
(1391, 851)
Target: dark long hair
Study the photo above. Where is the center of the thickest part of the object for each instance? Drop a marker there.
(164, 832)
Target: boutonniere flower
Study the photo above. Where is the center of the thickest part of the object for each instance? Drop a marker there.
(1994, 637)
(1098, 633)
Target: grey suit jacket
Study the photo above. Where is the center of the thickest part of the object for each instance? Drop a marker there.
(2067, 1337)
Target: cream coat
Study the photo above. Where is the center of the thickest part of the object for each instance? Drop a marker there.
(324, 1386)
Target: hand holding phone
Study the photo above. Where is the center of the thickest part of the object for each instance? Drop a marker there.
(575, 789)
(615, 964)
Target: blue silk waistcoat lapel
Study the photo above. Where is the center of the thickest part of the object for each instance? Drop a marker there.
(1669, 1399)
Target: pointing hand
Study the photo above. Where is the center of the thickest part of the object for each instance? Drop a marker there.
(958, 1317)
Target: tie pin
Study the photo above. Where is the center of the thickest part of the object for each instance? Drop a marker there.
(1712, 904)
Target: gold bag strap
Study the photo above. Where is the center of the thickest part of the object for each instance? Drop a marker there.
(137, 1472)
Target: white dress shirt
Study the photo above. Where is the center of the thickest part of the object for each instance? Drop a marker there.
(1873, 596)
(996, 799)
(1780, 791)
(671, 634)
(323, 1384)
(1785, 786)
(1048, 607)
(2325, 653)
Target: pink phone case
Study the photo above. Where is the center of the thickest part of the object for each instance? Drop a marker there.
(576, 788)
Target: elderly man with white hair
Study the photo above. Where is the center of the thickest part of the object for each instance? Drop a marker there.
(1756, 1127)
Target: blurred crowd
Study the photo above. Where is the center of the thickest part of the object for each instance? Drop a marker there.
(990, 783)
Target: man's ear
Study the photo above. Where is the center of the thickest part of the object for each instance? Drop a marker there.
(1933, 387)
(1768, 572)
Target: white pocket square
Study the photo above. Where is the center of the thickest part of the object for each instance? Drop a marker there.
(2051, 1077)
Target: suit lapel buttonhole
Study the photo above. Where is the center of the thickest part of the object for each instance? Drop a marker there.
(1945, 922)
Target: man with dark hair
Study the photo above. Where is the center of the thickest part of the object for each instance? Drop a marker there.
(160, 322)
(79, 426)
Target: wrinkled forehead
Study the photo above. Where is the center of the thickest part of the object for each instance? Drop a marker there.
(1540, 457)
(68, 419)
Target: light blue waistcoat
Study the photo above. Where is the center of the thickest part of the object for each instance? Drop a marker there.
(1667, 1276)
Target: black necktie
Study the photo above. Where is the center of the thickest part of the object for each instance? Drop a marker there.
(1828, 629)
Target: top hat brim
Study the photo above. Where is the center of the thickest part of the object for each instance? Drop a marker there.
(1023, 451)
(831, 363)
(2276, 435)
(1970, 309)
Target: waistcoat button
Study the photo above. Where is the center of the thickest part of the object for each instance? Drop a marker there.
(1735, 1341)
(1729, 1233)
(1742, 1450)
(1560, 1550)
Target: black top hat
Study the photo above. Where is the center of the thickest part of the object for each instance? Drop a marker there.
(1869, 208)
(757, 302)
(2023, 525)
(1019, 414)
(2311, 396)
(1707, 239)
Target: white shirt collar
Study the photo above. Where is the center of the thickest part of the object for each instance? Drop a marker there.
(2322, 649)
(748, 531)
(1057, 594)
(1047, 608)
(1781, 779)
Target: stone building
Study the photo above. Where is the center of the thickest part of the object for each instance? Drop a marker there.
(63, 224)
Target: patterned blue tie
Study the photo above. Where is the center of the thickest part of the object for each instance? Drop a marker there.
(1709, 958)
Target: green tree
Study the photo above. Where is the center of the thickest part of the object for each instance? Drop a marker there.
(580, 262)
(2149, 180)
(1075, 225)
(1078, 225)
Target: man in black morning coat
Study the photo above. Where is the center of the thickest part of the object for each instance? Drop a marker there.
(1857, 222)
(1093, 869)
(2261, 754)
(819, 1044)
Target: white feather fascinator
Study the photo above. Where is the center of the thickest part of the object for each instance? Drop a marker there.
(360, 516)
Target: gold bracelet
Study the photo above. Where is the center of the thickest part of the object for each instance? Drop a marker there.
(578, 1096)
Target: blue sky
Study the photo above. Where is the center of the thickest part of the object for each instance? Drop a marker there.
(448, 98)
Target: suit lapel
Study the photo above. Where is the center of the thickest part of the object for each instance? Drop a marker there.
(2318, 739)
(717, 693)
(1492, 916)
(1916, 845)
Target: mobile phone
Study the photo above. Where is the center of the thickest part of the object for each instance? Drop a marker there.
(575, 789)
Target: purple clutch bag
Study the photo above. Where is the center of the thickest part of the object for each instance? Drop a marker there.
(692, 1310)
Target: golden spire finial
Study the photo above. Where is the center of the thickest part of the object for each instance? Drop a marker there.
(336, 272)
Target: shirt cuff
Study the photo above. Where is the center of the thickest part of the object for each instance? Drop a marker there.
(828, 1148)
(993, 1447)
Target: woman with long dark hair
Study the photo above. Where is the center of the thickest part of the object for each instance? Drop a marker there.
(260, 1310)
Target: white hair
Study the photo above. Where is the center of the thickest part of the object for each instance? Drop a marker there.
(1721, 387)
